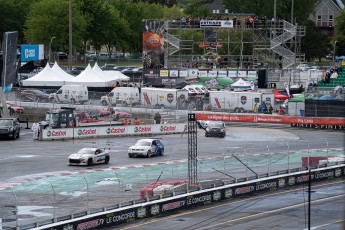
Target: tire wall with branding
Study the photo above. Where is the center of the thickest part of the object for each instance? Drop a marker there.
(199, 198)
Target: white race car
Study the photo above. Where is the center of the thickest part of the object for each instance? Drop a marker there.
(147, 148)
(89, 156)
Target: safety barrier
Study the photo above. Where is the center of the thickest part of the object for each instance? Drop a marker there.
(110, 131)
(141, 209)
(340, 122)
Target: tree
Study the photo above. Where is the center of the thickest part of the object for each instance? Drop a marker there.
(198, 8)
(49, 18)
(301, 9)
(13, 16)
(172, 13)
(315, 44)
(104, 25)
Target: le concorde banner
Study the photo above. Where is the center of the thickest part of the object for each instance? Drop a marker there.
(131, 214)
(272, 119)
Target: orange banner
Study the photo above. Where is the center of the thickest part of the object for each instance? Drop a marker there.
(272, 119)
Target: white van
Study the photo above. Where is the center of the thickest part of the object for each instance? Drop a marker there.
(73, 94)
(122, 95)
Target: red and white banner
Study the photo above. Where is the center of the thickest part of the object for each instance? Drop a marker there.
(272, 119)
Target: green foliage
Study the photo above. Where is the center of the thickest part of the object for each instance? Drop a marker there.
(301, 9)
(315, 44)
(197, 8)
(13, 16)
(340, 23)
(172, 13)
(49, 18)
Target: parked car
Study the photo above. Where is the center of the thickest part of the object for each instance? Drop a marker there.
(215, 128)
(303, 67)
(76, 70)
(147, 148)
(9, 127)
(14, 109)
(89, 156)
(62, 56)
(33, 95)
(108, 67)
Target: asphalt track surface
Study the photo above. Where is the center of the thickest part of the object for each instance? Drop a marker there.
(27, 166)
(285, 209)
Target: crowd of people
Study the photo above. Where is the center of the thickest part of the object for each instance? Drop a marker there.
(238, 22)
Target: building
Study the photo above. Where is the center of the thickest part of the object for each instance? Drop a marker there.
(324, 15)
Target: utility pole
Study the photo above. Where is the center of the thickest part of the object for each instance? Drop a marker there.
(70, 37)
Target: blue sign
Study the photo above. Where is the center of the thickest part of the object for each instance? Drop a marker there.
(30, 53)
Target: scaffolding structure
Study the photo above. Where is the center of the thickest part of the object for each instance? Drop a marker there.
(262, 44)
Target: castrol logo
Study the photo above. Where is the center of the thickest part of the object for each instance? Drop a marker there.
(83, 132)
(115, 130)
(168, 128)
(60, 133)
(142, 129)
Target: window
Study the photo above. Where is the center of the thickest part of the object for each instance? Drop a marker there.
(330, 18)
(319, 18)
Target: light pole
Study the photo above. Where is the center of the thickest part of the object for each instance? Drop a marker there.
(70, 36)
(50, 48)
(335, 43)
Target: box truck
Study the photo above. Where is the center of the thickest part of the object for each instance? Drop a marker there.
(162, 97)
(240, 102)
(122, 95)
(73, 94)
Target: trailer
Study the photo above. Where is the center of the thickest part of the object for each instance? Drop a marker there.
(162, 98)
(240, 102)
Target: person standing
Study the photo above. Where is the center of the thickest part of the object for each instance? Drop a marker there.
(157, 118)
(136, 121)
(35, 128)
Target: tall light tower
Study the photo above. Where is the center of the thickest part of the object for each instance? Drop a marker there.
(335, 44)
(70, 37)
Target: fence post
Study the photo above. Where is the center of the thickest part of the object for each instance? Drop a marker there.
(327, 147)
(268, 162)
(87, 196)
(15, 196)
(245, 152)
(288, 153)
(54, 216)
(308, 154)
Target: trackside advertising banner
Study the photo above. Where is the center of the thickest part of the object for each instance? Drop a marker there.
(107, 131)
(57, 134)
(272, 119)
(200, 198)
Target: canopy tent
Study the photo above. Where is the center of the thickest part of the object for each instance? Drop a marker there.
(91, 79)
(241, 84)
(65, 76)
(279, 96)
(299, 98)
(46, 78)
(341, 58)
(110, 75)
(225, 81)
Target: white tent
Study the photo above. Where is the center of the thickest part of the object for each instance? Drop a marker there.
(46, 78)
(91, 79)
(111, 75)
(240, 84)
(65, 76)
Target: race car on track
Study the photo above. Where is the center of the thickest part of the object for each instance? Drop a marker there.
(147, 147)
(89, 156)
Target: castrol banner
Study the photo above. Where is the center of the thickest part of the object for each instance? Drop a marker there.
(50, 134)
(86, 132)
(113, 131)
(273, 119)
